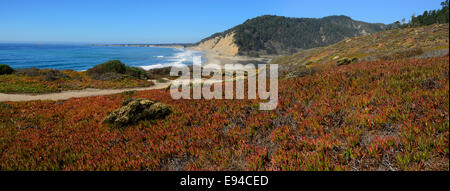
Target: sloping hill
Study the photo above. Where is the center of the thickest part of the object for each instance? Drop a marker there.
(421, 42)
(282, 35)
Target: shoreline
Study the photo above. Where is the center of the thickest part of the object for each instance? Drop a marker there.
(210, 56)
(89, 92)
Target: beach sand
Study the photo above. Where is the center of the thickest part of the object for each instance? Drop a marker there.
(216, 58)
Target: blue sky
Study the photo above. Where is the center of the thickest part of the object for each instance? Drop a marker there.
(169, 21)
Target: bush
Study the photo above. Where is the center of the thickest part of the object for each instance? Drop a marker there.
(52, 75)
(136, 72)
(5, 69)
(47, 74)
(110, 76)
(112, 66)
(114, 70)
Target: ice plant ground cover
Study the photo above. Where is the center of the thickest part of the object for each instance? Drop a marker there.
(382, 115)
(71, 80)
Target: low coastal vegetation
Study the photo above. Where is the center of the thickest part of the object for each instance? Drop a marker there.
(5, 69)
(109, 75)
(431, 17)
(160, 73)
(114, 70)
(380, 115)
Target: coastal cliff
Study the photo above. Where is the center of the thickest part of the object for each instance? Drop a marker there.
(221, 45)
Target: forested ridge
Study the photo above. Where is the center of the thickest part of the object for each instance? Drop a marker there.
(271, 34)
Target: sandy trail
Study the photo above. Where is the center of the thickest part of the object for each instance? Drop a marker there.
(212, 58)
(76, 93)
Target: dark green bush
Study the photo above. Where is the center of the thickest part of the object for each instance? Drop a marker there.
(136, 72)
(5, 69)
(115, 69)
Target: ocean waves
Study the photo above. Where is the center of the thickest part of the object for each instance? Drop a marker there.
(181, 57)
(83, 57)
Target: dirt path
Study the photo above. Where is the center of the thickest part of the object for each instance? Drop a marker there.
(75, 93)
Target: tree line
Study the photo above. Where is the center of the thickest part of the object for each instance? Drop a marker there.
(429, 17)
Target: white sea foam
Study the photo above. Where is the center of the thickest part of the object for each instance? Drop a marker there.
(154, 66)
(182, 57)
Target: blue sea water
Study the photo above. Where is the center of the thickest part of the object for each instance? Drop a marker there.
(83, 57)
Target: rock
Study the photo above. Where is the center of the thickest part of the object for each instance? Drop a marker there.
(346, 61)
(135, 110)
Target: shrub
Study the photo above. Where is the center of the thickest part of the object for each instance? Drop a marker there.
(31, 72)
(112, 66)
(136, 72)
(47, 74)
(159, 72)
(110, 76)
(5, 69)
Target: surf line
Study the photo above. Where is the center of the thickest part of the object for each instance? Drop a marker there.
(202, 88)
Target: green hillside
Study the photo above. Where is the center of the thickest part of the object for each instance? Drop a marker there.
(282, 35)
(420, 42)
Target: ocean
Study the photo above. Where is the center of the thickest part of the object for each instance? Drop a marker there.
(83, 57)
